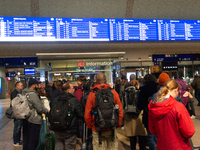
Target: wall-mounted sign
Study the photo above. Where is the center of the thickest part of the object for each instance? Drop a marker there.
(11, 74)
(154, 69)
(81, 64)
(21, 62)
(104, 63)
(185, 57)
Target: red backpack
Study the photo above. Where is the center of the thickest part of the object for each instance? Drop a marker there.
(183, 88)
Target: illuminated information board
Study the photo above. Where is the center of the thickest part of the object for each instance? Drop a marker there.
(97, 29)
(133, 30)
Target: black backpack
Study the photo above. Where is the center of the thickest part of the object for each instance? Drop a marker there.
(105, 111)
(131, 100)
(60, 116)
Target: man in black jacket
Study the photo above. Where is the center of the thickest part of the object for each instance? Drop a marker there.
(68, 139)
(17, 122)
(57, 92)
(49, 90)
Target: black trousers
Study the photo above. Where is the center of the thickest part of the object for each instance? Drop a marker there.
(31, 134)
(190, 108)
(142, 142)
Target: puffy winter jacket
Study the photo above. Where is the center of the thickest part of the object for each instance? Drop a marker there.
(76, 111)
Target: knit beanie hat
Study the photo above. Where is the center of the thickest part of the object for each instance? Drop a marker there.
(163, 77)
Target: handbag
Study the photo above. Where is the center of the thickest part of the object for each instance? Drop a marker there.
(9, 113)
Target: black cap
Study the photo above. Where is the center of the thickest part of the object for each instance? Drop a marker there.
(33, 81)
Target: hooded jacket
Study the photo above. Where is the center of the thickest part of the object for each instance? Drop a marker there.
(76, 111)
(36, 105)
(91, 104)
(170, 122)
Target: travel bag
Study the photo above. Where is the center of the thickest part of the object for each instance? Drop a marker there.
(50, 141)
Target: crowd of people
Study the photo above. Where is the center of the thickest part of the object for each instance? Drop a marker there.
(151, 111)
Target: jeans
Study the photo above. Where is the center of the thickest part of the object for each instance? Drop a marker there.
(17, 131)
(197, 95)
(152, 140)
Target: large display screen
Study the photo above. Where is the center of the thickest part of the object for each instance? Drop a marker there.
(29, 71)
(97, 29)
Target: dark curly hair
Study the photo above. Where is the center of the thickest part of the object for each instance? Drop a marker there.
(149, 78)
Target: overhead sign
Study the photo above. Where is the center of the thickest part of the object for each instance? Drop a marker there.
(81, 64)
(21, 62)
(185, 57)
(11, 74)
(97, 29)
(104, 63)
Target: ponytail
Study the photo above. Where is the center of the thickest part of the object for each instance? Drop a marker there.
(169, 85)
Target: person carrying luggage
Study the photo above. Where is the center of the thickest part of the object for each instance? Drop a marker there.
(43, 129)
(133, 119)
(32, 124)
(103, 112)
(63, 118)
(17, 122)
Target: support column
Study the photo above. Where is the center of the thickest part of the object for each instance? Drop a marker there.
(3, 82)
(34, 8)
(129, 8)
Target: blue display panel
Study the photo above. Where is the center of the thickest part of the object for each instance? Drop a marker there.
(27, 29)
(97, 29)
(74, 29)
(29, 71)
(21, 62)
(178, 30)
(133, 29)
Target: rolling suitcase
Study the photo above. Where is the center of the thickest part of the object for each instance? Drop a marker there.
(85, 131)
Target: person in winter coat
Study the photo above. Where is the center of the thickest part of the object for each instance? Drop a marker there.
(49, 90)
(31, 125)
(90, 120)
(134, 127)
(17, 122)
(169, 120)
(67, 140)
(43, 129)
(196, 86)
(78, 93)
(146, 91)
(57, 92)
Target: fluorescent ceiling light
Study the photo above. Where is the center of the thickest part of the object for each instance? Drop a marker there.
(98, 53)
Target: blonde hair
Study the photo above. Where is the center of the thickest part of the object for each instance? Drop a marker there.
(169, 85)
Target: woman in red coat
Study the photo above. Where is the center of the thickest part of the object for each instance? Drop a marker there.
(169, 120)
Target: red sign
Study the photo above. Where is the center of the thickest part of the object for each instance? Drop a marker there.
(81, 64)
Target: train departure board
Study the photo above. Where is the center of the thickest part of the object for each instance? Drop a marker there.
(97, 29)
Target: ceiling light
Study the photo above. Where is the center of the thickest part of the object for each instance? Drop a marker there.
(139, 59)
(149, 56)
(61, 54)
